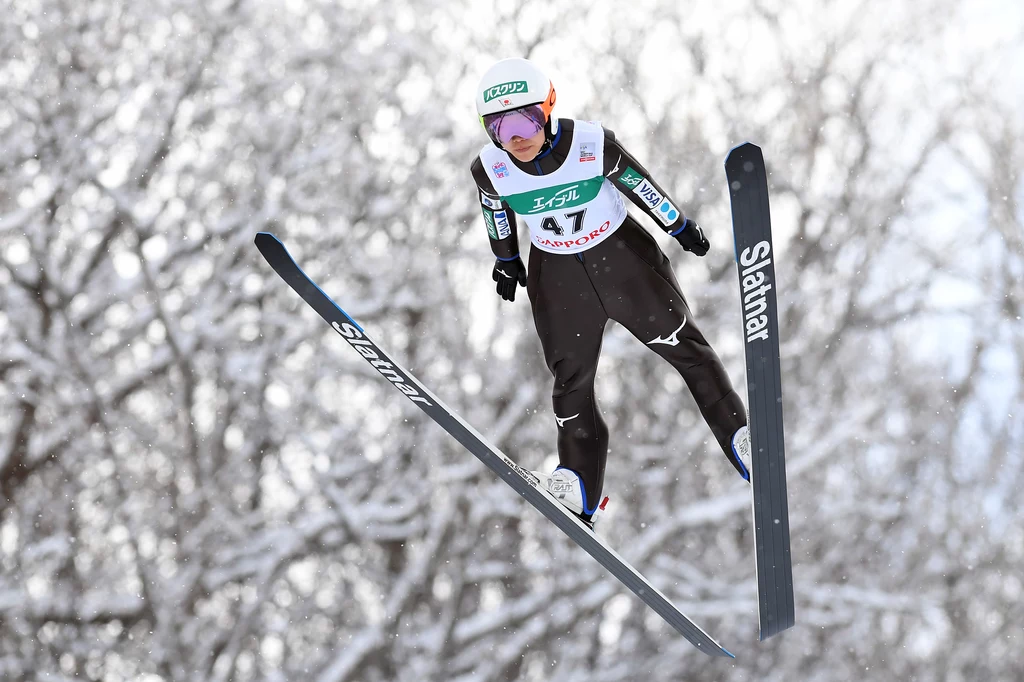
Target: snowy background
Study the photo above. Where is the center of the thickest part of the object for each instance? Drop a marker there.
(200, 481)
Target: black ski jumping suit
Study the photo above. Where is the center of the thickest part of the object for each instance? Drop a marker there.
(626, 278)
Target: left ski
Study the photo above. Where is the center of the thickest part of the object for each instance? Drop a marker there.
(521, 480)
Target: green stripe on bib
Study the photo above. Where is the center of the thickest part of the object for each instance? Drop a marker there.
(553, 198)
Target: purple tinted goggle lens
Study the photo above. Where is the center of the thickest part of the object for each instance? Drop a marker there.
(525, 123)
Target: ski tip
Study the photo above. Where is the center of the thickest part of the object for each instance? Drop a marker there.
(274, 251)
(745, 149)
(265, 241)
(744, 145)
(727, 652)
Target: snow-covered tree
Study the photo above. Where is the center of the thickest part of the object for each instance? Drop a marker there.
(200, 481)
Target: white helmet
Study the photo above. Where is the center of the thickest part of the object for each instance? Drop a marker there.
(512, 84)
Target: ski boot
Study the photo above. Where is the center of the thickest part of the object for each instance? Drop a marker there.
(566, 487)
(741, 451)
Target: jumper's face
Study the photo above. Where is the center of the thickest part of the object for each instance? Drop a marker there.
(525, 148)
(520, 132)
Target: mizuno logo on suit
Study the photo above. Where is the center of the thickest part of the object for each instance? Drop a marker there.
(672, 339)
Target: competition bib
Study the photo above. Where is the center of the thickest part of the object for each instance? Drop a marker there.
(570, 210)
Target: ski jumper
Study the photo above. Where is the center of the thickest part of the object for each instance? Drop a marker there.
(592, 262)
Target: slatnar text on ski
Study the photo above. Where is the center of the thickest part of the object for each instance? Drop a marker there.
(754, 303)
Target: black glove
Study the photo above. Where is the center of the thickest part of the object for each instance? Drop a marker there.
(692, 238)
(507, 273)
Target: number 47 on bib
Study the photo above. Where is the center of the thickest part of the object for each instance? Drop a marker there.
(748, 191)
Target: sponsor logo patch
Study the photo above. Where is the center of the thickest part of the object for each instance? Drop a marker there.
(630, 178)
(503, 89)
(501, 222)
(489, 219)
(490, 203)
(554, 198)
(667, 213)
(500, 170)
(587, 152)
(650, 196)
(568, 196)
(568, 244)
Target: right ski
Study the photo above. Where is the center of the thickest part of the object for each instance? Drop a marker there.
(521, 480)
(752, 229)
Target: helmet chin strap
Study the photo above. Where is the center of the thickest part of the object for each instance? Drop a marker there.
(550, 131)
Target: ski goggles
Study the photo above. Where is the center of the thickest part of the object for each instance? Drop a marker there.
(524, 122)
